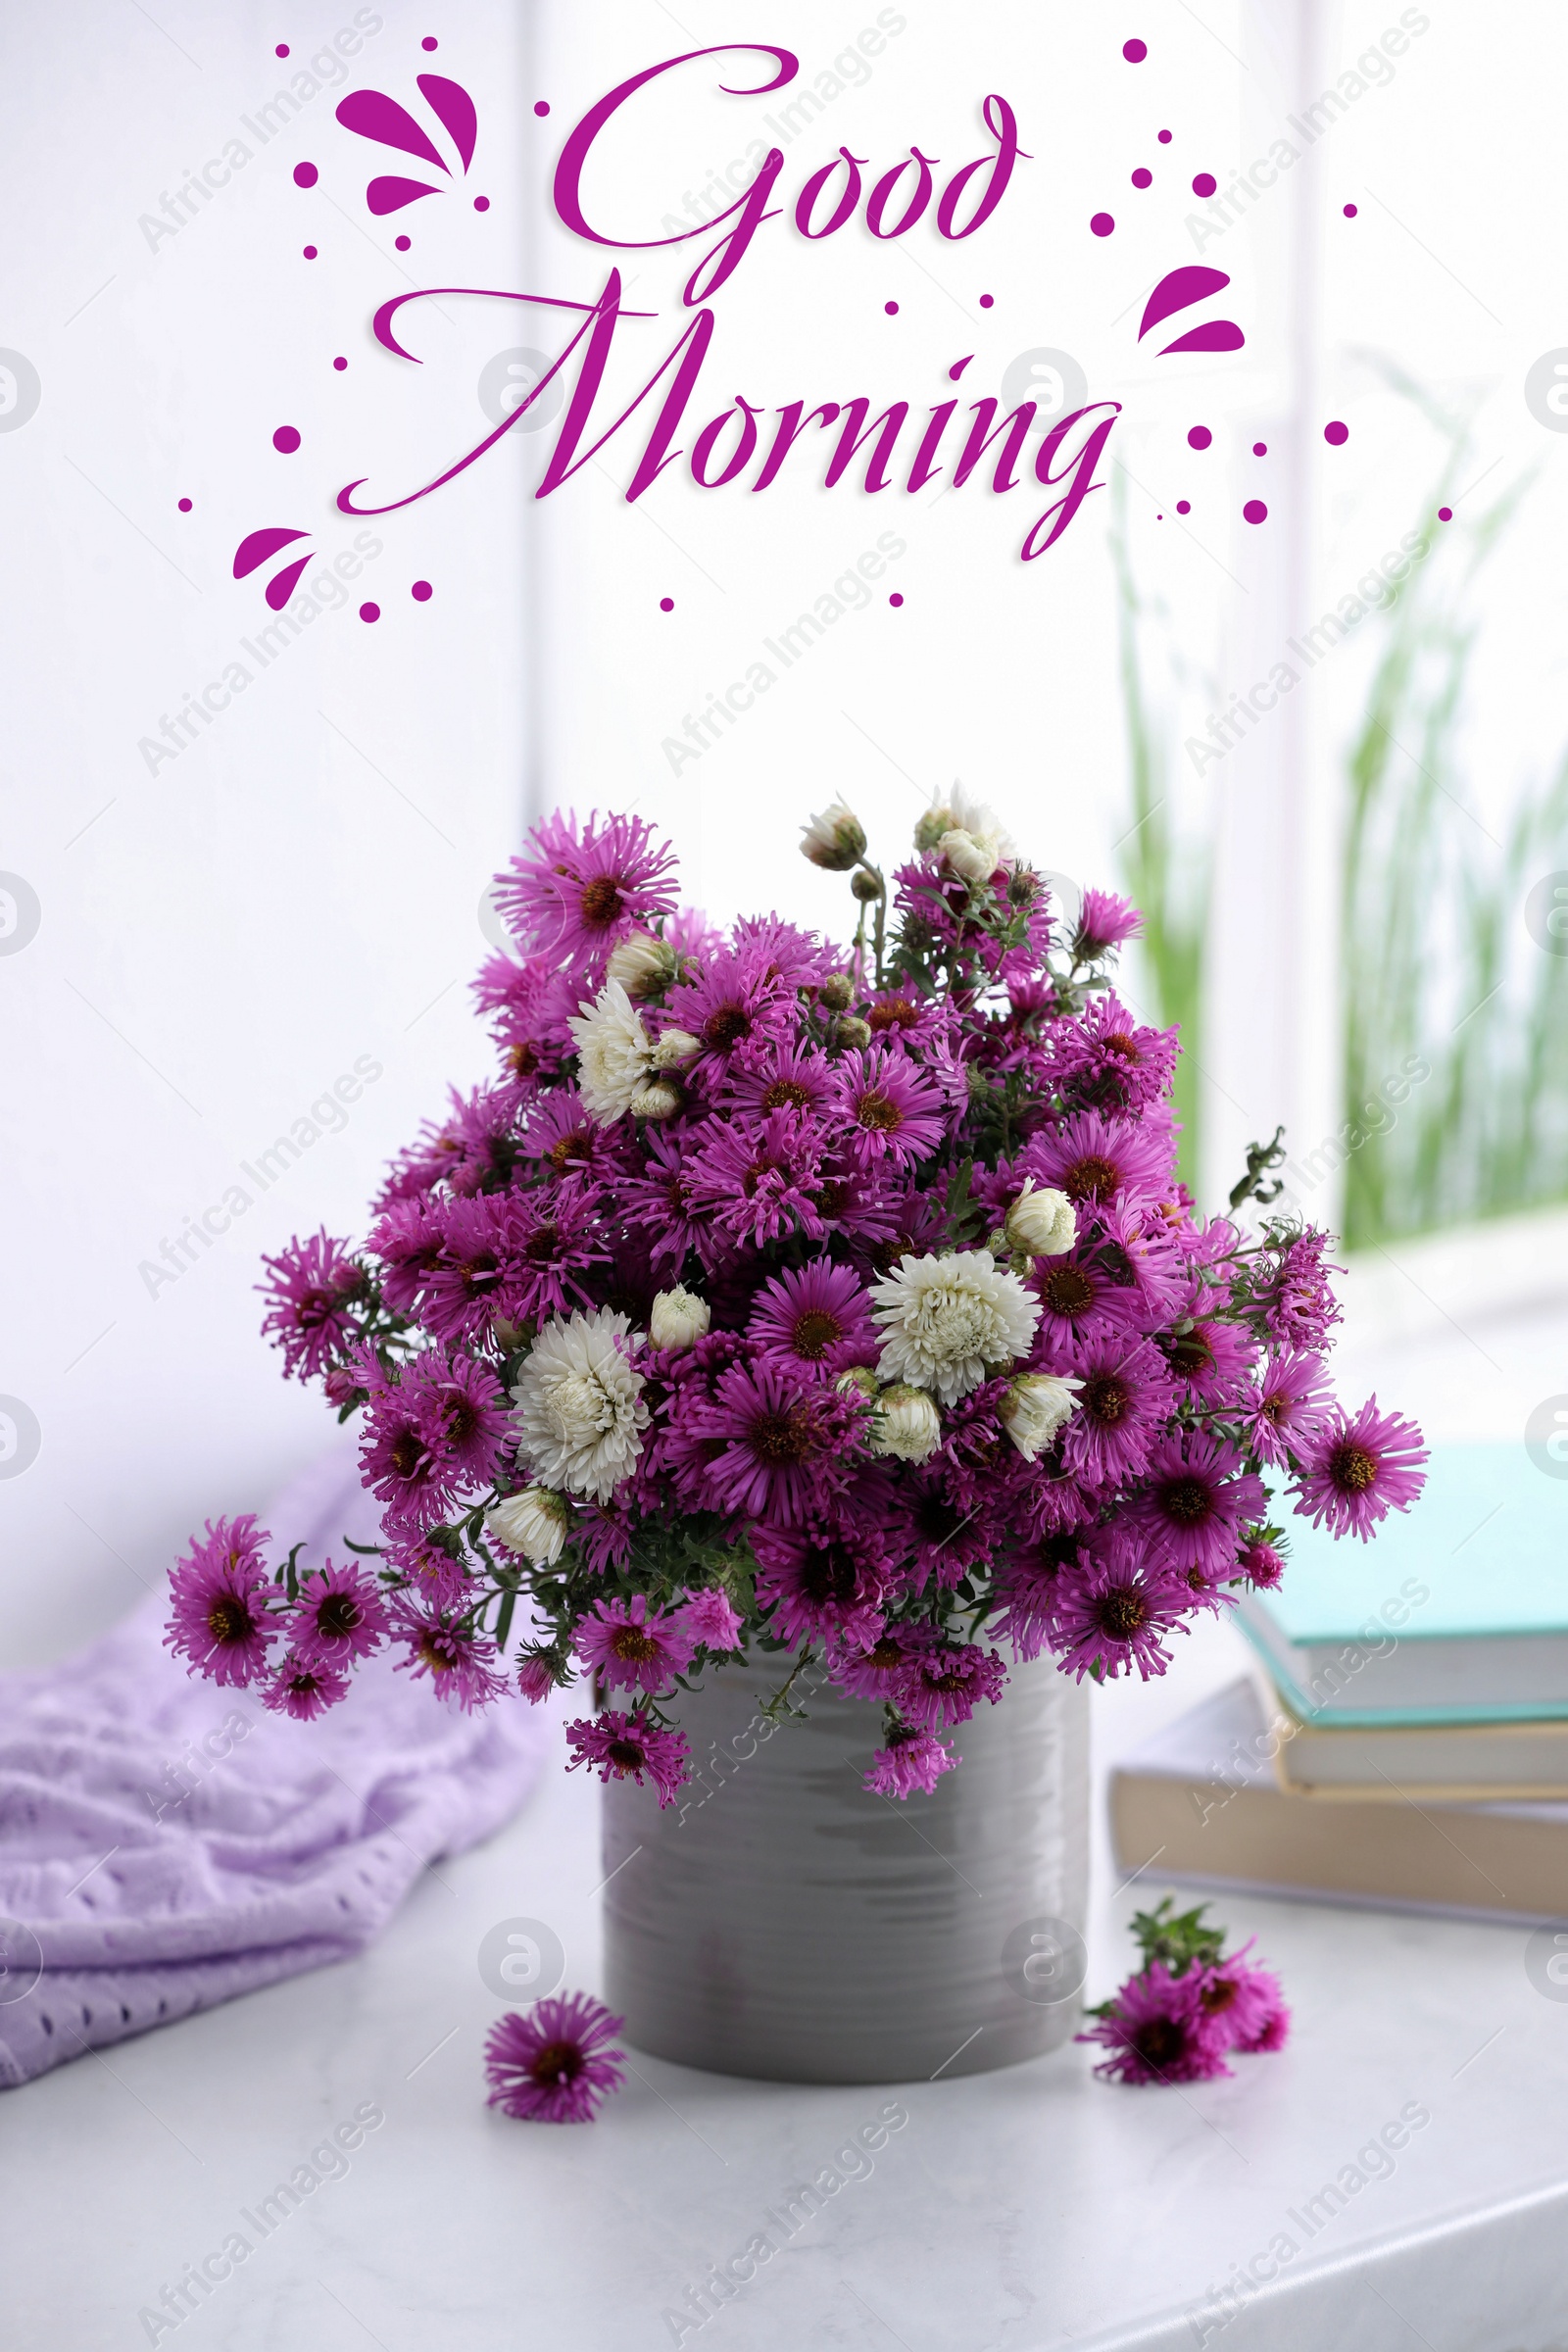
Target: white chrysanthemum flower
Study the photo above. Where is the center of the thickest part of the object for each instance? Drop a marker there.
(959, 812)
(579, 1405)
(679, 1318)
(674, 1047)
(534, 1523)
(613, 1053)
(907, 1423)
(834, 840)
(660, 1100)
(1035, 1408)
(642, 964)
(974, 857)
(1042, 1224)
(947, 1323)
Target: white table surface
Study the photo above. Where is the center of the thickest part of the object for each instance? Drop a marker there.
(1034, 2207)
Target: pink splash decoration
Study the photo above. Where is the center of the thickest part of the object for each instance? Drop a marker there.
(455, 111)
(1205, 184)
(1101, 224)
(666, 604)
(1335, 433)
(1184, 505)
(255, 550)
(429, 42)
(1216, 334)
(1163, 138)
(481, 204)
(1444, 513)
(1260, 449)
(541, 106)
(306, 175)
(309, 253)
(370, 611)
(421, 592)
(894, 598)
(389, 193)
(184, 505)
(985, 301)
(1254, 511)
(1350, 211)
(1143, 178)
(402, 243)
(340, 364)
(282, 50)
(1135, 52)
(372, 115)
(1178, 291)
(1199, 438)
(287, 439)
(891, 308)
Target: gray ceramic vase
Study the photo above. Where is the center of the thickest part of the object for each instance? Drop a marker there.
(780, 1922)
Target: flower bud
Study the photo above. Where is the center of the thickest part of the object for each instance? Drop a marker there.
(659, 1100)
(837, 992)
(835, 840)
(858, 1380)
(854, 1032)
(937, 820)
(674, 1047)
(974, 858)
(1034, 1408)
(908, 1424)
(643, 965)
(534, 1523)
(536, 1675)
(678, 1319)
(1042, 1224)
(867, 887)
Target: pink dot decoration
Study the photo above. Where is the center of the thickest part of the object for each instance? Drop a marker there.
(184, 505)
(306, 175)
(370, 611)
(1444, 513)
(1199, 438)
(309, 253)
(985, 300)
(340, 364)
(1260, 449)
(429, 42)
(481, 204)
(402, 243)
(1254, 511)
(1184, 505)
(891, 308)
(1101, 224)
(282, 50)
(286, 439)
(666, 604)
(1350, 211)
(1205, 184)
(1165, 138)
(894, 598)
(541, 106)
(1135, 52)
(421, 592)
(1336, 434)
(1143, 178)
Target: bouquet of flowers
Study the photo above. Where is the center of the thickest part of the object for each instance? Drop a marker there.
(833, 1304)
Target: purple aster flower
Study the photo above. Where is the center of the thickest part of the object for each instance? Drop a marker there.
(1271, 2035)
(1292, 1398)
(309, 1293)
(621, 1746)
(910, 1763)
(439, 1581)
(536, 1676)
(780, 1445)
(894, 1112)
(1092, 1159)
(339, 1617)
(943, 1681)
(662, 1197)
(1104, 921)
(461, 1665)
(578, 888)
(1107, 1061)
(560, 1133)
(1195, 1505)
(1241, 2001)
(532, 1003)
(1122, 1407)
(780, 1074)
(424, 1433)
(945, 1535)
(759, 1184)
(1298, 1303)
(1029, 1587)
(823, 1582)
(629, 1643)
(1115, 1609)
(1081, 1298)
(799, 957)
(1210, 1363)
(817, 1317)
(1357, 1469)
(556, 2065)
(1260, 1564)
(712, 1619)
(737, 1001)
(471, 1150)
(902, 1017)
(873, 1671)
(304, 1688)
(219, 1622)
(1156, 2032)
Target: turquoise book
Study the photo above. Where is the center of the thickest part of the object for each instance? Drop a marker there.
(1455, 1612)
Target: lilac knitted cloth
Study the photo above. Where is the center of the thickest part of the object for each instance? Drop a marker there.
(165, 1845)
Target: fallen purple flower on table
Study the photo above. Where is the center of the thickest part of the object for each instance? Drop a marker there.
(553, 2066)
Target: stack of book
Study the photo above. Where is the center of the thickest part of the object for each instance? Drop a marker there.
(1407, 1741)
